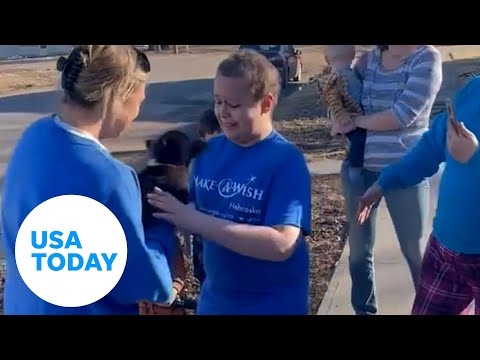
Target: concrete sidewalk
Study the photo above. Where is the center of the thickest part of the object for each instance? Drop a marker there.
(393, 282)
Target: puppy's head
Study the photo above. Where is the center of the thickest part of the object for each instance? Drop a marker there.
(169, 157)
(174, 148)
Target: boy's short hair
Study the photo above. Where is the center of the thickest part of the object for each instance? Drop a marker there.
(333, 51)
(208, 123)
(262, 76)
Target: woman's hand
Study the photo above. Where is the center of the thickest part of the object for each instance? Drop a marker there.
(170, 209)
(461, 142)
(343, 124)
(371, 197)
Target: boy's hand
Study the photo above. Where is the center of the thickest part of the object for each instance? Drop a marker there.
(365, 205)
(461, 142)
(171, 209)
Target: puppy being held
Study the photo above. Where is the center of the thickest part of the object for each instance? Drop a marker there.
(169, 157)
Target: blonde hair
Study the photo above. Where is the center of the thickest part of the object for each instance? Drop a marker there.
(262, 77)
(97, 75)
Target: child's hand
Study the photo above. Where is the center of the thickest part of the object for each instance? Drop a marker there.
(461, 142)
(171, 209)
(365, 205)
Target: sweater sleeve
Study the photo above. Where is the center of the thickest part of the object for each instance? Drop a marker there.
(424, 82)
(421, 162)
(147, 275)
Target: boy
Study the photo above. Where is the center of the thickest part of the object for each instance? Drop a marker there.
(341, 90)
(450, 274)
(209, 127)
(252, 200)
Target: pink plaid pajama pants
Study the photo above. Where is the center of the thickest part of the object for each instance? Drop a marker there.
(449, 282)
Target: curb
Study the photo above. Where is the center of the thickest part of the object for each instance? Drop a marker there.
(330, 167)
(334, 282)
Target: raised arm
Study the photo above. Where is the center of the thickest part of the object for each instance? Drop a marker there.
(421, 162)
(420, 91)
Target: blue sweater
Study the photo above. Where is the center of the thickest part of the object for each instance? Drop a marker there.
(50, 161)
(458, 211)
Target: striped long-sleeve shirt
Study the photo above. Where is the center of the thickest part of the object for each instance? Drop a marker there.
(409, 92)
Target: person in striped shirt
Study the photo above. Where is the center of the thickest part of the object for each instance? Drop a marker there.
(400, 85)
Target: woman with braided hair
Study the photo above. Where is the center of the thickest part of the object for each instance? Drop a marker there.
(103, 89)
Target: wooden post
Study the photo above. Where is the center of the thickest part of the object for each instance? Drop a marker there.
(175, 49)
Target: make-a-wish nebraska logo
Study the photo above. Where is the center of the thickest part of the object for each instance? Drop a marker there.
(228, 188)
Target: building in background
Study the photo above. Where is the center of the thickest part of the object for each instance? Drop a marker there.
(33, 51)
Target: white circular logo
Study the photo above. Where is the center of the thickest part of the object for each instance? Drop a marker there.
(71, 251)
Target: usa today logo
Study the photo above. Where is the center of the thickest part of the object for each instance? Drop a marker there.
(71, 251)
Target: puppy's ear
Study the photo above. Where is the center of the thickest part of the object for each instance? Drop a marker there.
(197, 147)
(148, 143)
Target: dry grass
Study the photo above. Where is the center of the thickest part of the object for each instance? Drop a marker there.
(26, 79)
(328, 238)
(301, 119)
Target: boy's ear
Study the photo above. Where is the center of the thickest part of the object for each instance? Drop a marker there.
(268, 103)
(197, 147)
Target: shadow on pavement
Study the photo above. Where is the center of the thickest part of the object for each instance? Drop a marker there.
(159, 98)
(162, 102)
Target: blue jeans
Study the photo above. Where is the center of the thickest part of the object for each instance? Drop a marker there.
(408, 210)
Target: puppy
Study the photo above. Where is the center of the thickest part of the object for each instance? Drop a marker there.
(169, 158)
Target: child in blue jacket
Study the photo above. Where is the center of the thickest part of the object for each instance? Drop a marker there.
(450, 275)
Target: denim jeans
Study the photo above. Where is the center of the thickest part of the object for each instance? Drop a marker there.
(408, 209)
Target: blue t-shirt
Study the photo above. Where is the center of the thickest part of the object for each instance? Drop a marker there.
(52, 160)
(264, 184)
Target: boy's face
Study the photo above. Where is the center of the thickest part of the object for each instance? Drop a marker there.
(237, 112)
